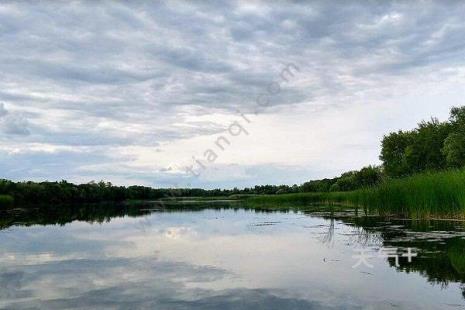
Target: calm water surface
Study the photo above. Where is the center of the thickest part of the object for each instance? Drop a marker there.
(227, 259)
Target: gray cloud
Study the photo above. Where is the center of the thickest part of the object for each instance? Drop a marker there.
(3, 111)
(40, 165)
(13, 123)
(106, 73)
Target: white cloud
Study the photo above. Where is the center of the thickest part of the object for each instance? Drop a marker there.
(141, 88)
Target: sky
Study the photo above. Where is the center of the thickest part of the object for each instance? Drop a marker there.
(218, 94)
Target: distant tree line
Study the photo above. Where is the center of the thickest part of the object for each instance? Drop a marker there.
(63, 192)
(432, 146)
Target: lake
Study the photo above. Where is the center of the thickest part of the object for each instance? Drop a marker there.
(218, 258)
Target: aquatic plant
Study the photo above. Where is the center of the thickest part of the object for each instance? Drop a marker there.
(438, 194)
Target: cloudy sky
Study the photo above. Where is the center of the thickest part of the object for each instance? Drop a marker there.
(139, 93)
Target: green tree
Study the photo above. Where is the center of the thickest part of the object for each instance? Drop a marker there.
(454, 144)
(347, 181)
(425, 149)
(454, 150)
(368, 176)
(407, 152)
(393, 149)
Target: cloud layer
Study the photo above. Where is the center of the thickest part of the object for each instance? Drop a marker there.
(131, 91)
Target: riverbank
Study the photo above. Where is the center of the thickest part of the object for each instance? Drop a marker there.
(422, 196)
(426, 195)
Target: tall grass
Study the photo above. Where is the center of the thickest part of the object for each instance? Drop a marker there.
(422, 195)
(439, 194)
(6, 201)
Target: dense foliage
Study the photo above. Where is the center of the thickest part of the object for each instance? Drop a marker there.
(432, 146)
(366, 177)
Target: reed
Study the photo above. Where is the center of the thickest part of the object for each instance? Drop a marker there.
(426, 195)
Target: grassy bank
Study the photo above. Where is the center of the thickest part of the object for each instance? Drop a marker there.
(440, 194)
(6, 201)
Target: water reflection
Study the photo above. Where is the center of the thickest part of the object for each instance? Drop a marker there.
(125, 258)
